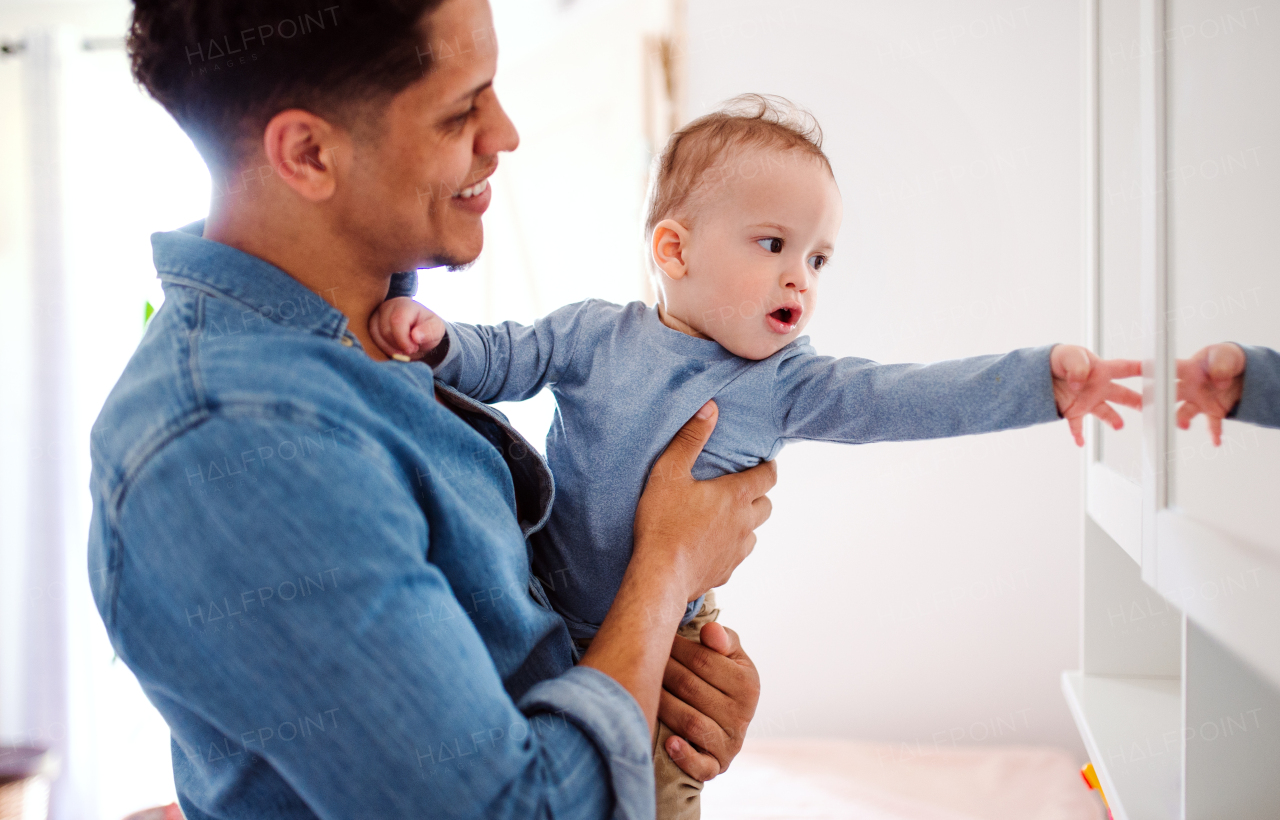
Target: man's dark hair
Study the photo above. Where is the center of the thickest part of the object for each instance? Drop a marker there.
(224, 68)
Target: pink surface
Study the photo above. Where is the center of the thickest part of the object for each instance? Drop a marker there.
(848, 780)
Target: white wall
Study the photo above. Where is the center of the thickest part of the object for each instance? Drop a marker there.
(924, 592)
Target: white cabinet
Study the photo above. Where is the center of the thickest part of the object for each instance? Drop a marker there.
(1178, 695)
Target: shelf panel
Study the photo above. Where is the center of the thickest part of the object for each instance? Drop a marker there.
(1230, 588)
(1132, 729)
(1115, 503)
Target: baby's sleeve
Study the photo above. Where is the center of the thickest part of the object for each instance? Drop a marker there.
(511, 361)
(1260, 401)
(857, 401)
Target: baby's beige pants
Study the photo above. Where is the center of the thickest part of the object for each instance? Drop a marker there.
(679, 795)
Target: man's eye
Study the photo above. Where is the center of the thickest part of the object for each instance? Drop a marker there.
(773, 244)
(463, 117)
(818, 262)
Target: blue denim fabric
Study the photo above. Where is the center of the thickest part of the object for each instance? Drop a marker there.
(320, 576)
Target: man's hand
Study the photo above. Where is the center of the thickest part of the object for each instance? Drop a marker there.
(1082, 384)
(689, 537)
(1210, 382)
(405, 329)
(709, 695)
(699, 531)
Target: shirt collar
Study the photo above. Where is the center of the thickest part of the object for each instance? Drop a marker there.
(185, 257)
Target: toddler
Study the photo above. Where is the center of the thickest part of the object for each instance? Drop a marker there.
(742, 221)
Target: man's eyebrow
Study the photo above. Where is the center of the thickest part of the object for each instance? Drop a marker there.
(475, 92)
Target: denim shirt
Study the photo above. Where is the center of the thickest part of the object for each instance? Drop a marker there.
(320, 576)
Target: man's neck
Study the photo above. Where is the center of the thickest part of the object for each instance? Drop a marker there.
(302, 246)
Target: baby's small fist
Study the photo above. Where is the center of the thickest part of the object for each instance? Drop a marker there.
(406, 330)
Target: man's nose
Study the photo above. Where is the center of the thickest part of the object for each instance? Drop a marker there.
(498, 134)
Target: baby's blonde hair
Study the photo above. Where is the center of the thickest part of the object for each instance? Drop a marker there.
(750, 121)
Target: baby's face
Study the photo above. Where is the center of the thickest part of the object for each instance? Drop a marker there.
(756, 253)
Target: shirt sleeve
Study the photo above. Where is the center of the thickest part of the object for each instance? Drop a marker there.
(858, 401)
(295, 612)
(403, 284)
(511, 361)
(1260, 402)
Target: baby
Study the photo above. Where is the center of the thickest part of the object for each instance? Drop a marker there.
(742, 220)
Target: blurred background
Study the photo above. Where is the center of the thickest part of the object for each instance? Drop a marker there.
(920, 598)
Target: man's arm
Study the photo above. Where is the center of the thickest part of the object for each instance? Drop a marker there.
(302, 588)
(689, 537)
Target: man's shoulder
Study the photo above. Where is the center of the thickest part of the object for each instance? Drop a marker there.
(192, 367)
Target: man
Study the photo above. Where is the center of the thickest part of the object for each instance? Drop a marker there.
(319, 574)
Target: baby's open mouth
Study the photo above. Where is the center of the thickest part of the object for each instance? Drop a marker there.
(784, 319)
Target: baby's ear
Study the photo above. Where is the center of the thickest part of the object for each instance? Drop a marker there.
(669, 245)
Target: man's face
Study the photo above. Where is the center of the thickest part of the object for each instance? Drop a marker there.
(423, 175)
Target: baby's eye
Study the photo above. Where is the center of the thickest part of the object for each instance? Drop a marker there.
(772, 244)
(818, 262)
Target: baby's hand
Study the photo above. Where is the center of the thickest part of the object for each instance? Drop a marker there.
(1082, 384)
(405, 330)
(1210, 382)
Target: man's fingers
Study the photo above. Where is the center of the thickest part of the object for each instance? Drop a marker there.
(1119, 394)
(693, 687)
(763, 508)
(757, 481)
(716, 637)
(677, 460)
(696, 764)
(691, 725)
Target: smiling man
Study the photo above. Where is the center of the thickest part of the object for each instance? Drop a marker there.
(314, 559)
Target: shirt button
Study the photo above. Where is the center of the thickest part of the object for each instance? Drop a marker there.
(346, 341)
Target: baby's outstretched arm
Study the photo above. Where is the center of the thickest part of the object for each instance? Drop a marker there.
(1083, 384)
(405, 330)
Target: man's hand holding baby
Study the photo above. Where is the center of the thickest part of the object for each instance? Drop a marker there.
(405, 330)
(1083, 384)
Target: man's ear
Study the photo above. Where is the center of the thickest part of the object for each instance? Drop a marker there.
(669, 246)
(301, 149)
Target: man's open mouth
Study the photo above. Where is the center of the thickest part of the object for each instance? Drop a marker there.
(475, 190)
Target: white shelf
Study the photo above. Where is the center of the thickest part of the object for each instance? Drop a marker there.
(1132, 728)
(1230, 588)
(1115, 503)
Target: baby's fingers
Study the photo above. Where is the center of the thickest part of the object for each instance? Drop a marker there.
(1120, 368)
(1186, 412)
(1108, 414)
(1119, 394)
(402, 328)
(1076, 423)
(1215, 430)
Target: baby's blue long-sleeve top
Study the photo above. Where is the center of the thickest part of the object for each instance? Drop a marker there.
(624, 384)
(1260, 399)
